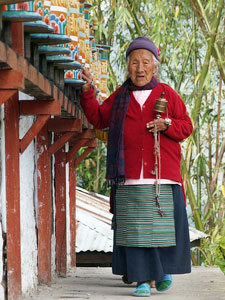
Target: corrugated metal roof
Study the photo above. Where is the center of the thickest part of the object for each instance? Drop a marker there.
(93, 222)
(196, 234)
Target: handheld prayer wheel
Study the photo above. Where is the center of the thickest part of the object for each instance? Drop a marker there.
(160, 105)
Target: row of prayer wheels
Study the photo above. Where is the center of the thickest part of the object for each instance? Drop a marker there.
(71, 18)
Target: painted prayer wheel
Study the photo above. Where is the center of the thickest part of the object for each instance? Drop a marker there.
(24, 6)
(101, 84)
(81, 36)
(47, 6)
(98, 65)
(102, 53)
(58, 16)
(38, 26)
(73, 27)
(104, 71)
(35, 6)
(73, 31)
(57, 24)
(38, 6)
(87, 6)
(103, 58)
(29, 12)
(94, 62)
(19, 12)
(73, 74)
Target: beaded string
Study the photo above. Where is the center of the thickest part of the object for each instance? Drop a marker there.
(157, 168)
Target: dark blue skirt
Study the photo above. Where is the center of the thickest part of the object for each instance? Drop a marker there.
(144, 264)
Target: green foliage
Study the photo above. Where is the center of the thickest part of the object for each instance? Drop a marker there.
(213, 250)
(91, 171)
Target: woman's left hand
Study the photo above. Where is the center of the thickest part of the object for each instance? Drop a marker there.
(87, 76)
(157, 125)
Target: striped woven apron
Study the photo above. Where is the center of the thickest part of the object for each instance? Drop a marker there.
(138, 223)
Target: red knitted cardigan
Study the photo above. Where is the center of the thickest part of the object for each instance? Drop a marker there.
(138, 142)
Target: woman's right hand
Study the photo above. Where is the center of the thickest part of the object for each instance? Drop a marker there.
(87, 76)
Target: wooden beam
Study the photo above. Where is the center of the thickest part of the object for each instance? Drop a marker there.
(71, 154)
(85, 134)
(12, 197)
(72, 201)
(79, 141)
(83, 155)
(36, 85)
(11, 80)
(60, 204)
(39, 107)
(91, 146)
(64, 124)
(32, 132)
(91, 143)
(18, 38)
(94, 259)
(6, 94)
(44, 197)
(60, 142)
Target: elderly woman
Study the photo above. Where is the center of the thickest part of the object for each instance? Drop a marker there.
(151, 237)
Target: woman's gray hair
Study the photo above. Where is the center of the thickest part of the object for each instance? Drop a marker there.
(155, 61)
(157, 64)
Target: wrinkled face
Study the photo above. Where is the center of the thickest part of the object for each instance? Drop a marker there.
(141, 67)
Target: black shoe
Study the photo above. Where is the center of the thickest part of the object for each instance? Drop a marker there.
(125, 280)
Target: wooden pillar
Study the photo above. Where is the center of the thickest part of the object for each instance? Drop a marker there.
(72, 197)
(60, 203)
(0, 21)
(13, 197)
(18, 38)
(44, 206)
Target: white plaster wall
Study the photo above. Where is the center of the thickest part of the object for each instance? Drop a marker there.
(28, 207)
(27, 212)
(2, 291)
(67, 212)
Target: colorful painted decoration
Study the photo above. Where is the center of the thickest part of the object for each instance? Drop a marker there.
(81, 40)
(38, 6)
(58, 16)
(72, 31)
(72, 18)
(46, 6)
(87, 6)
(26, 6)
